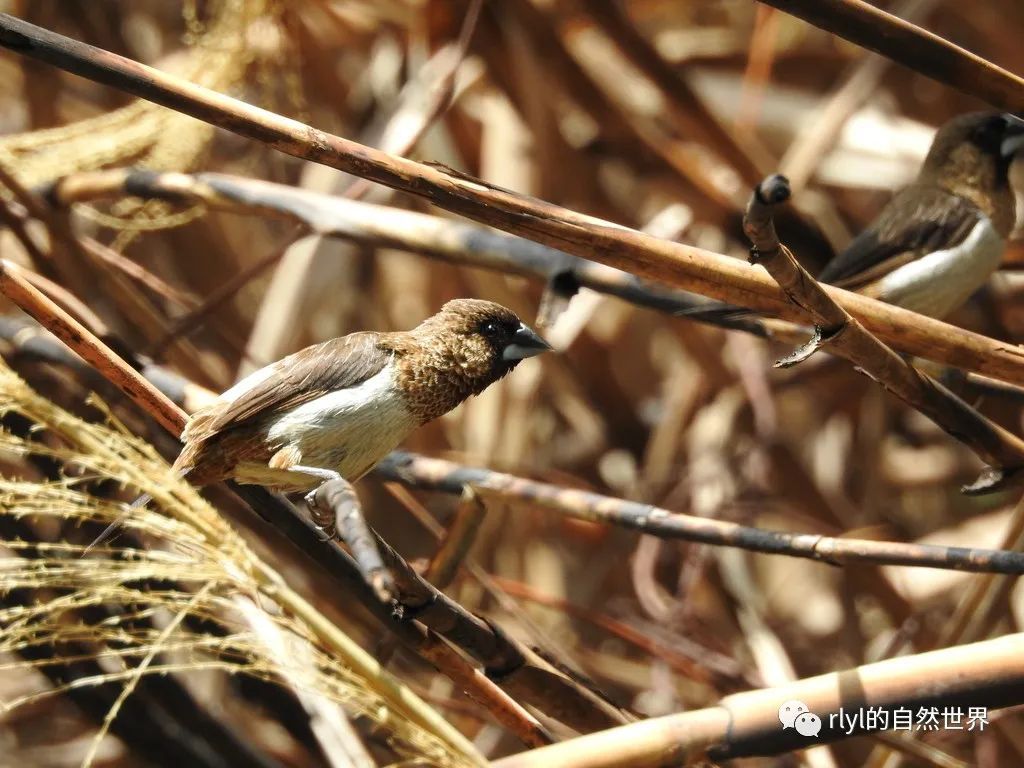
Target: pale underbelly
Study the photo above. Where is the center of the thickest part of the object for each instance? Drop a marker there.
(347, 432)
(940, 282)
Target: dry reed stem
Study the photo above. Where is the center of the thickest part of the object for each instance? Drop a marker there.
(913, 47)
(988, 674)
(682, 266)
(440, 475)
(382, 226)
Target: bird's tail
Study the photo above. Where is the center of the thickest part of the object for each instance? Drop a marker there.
(114, 528)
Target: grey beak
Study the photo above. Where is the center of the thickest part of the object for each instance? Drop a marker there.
(525, 343)
(1013, 140)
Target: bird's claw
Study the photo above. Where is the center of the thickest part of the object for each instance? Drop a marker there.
(326, 533)
(325, 524)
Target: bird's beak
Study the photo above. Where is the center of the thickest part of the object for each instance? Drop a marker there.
(1013, 139)
(525, 343)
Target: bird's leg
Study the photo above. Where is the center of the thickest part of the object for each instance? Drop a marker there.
(335, 509)
(323, 517)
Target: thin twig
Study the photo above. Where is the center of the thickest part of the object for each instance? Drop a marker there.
(15, 287)
(336, 509)
(457, 540)
(440, 475)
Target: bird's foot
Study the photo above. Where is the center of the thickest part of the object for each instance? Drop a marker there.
(323, 517)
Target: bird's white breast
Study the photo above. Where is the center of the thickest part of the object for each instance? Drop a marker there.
(348, 431)
(939, 282)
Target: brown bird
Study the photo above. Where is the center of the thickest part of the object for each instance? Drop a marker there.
(335, 409)
(939, 239)
(339, 407)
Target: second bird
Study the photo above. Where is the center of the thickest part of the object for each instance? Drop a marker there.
(940, 238)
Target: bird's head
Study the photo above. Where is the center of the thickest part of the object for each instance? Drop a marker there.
(975, 150)
(482, 340)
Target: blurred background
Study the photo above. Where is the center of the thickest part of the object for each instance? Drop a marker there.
(654, 114)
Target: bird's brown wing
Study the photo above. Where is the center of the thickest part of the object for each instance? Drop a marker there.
(302, 376)
(918, 220)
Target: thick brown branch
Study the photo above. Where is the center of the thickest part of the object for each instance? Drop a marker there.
(679, 265)
(909, 45)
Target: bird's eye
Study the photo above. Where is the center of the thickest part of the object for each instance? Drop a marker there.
(490, 328)
(989, 132)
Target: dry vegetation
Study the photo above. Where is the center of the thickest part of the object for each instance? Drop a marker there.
(575, 597)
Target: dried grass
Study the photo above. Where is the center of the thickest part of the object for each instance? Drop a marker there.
(201, 572)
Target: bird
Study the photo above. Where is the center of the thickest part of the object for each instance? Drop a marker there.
(333, 410)
(939, 239)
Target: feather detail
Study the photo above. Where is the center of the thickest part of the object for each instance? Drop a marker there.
(918, 220)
